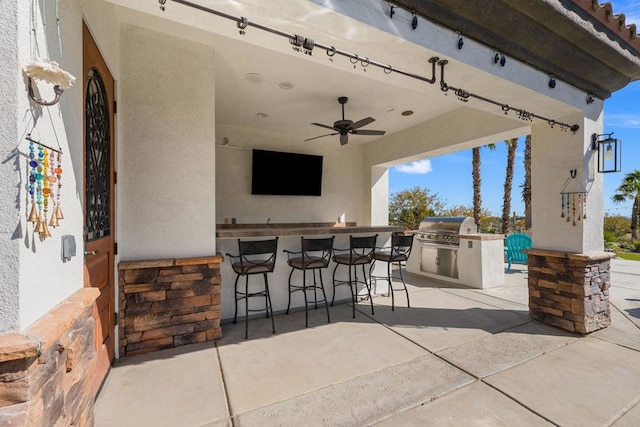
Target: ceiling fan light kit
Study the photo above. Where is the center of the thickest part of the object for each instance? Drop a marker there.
(345, 127)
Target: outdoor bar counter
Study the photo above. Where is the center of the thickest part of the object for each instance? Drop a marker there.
(289, 234)
(225, 231)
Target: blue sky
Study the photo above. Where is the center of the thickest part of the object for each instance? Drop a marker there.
(450, 175)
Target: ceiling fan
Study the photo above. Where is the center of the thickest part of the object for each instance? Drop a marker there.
(345, 127)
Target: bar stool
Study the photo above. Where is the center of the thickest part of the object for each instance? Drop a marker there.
(255, 257)
(360, 252)
(315, 255)
(398, 252)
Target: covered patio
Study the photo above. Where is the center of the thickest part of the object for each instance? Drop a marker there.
(172, 100)
(459, 356)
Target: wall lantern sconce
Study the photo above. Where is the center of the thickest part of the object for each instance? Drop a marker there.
(609, 152)
(499, 58)
(552, 81)
(414, 20)
(460, 41)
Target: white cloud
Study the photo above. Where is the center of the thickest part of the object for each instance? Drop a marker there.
(623, 120)
(421, 167)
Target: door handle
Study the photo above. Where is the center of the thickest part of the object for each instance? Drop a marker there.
(91, 253)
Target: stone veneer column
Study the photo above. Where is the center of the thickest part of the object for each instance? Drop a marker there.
(570, 290)
(46, 370)
(168, 303)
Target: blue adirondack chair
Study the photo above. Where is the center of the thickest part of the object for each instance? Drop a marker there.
(514, 245)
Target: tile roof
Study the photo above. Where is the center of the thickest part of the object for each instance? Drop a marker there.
(604, 13)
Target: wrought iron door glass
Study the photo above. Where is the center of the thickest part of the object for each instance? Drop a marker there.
(98, 159)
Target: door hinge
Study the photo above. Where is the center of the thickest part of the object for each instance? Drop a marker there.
(115, 248)
(115, 316)
(115, 177)
(115, 107)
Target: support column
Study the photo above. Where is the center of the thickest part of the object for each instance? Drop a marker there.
(570, 290)
(568, 268)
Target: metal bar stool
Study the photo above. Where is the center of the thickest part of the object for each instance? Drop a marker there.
(315, 256)
(255, 257)
(360, 252)
(398, 252)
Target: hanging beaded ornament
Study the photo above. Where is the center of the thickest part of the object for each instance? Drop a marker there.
(574, 200)
(43, 176)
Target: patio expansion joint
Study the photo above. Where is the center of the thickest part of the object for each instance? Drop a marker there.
(224, 385)
(475, 292)
(476, 378)
(626, 316)
(623, 411)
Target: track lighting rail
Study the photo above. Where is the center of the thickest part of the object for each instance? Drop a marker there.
(307, 45)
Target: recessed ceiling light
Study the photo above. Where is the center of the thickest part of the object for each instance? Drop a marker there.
(407, 113)
(389, 109)
(253, 77)
(262, 115)
(286, 85)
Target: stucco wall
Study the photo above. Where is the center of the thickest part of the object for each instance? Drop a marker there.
(553, 155)
(9, 169)
(342, 181)
(33, 276)
(166, 190)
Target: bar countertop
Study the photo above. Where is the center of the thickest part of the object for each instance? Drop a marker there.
(226, 231)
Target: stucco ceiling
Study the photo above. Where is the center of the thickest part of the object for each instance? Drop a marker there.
(318, 81)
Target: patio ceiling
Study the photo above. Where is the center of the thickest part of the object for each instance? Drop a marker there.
(318, 82)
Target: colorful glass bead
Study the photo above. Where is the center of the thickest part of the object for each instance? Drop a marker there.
(46, 192)
(58, 171)
(32, 178)
(33, 164)
(38, 176)
(51, 178)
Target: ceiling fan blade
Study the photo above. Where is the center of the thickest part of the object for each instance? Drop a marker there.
(368, 132)
(362, 122)
(344, 138)
(321, 136)
(325, 126)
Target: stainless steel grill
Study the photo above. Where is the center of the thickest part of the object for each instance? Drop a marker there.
(439, 240)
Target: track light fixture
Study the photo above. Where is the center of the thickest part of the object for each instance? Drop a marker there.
(460, 41)
(391, 11)
(414, 20)
(552, 81)
(590, 99)
(499, 58)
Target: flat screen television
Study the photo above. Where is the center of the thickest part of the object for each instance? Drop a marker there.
(286, 174)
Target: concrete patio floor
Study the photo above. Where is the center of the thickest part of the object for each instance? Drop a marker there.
(457, 357)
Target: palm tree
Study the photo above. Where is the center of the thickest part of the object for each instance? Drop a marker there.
(630, 190)
(526, 185)
(477, 198)
(512, 145)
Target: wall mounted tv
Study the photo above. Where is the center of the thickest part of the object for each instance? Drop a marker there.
(286, 174)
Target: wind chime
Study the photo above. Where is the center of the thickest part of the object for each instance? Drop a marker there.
(45, 185)
(45, 163)
(574, 202)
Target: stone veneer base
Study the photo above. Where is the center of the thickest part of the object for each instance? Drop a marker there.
(168, 303)
(46, 371)
(570, 290)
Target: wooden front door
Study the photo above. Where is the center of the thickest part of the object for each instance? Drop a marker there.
(98, 98)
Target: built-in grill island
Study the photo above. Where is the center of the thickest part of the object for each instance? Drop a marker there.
(439, 239)
(451, 249)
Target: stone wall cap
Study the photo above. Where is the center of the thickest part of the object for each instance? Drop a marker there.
(482, 236)
(49, 328)
(17, 346)
(588, 256)
(170, 262)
